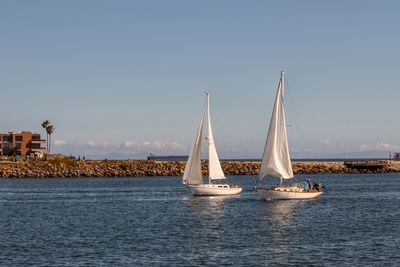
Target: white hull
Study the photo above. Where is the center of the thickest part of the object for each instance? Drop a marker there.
(214, 189)
(273, 194)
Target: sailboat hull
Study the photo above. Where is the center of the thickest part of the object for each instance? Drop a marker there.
(214, 189)
(272, 194)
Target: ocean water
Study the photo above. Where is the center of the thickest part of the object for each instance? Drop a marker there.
(154, 221)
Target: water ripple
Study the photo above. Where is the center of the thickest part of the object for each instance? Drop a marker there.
(156, 222)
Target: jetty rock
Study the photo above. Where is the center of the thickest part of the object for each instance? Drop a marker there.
(66, 167)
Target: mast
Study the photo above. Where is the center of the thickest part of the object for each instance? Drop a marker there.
(276, 159)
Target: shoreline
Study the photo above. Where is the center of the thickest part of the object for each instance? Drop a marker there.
(71, 168)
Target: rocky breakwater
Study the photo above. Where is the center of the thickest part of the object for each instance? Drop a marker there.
(66, 167)
(388, 166)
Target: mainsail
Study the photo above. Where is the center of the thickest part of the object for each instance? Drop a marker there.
(192, 174)
(214, 166)
(276, 160)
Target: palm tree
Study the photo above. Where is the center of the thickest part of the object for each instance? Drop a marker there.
(45, 124)
(50, 130)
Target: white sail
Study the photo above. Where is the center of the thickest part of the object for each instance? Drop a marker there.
(214, 166)
(192, 174)
(276, 160)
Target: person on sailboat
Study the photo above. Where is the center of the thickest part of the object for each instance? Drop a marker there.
(318, 186)
(310, 187)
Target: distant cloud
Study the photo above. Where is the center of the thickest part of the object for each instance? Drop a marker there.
(153, 145)
(178, 146)
(327, 149)
(101, 145)
(379, 148)
(325, 142)
(131, 148)
(131, 144)
(126, 149)
(364, 147)
(92, 143)
(386, 147)
(158, 146)
(60, 142)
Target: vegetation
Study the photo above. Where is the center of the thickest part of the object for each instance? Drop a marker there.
(49, 131)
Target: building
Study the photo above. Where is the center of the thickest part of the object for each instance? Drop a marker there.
(397, 155)
(21, 144)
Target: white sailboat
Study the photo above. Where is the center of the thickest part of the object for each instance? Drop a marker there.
(217, 184)
(276, 160)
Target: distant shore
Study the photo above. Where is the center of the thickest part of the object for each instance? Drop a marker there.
(66, 167)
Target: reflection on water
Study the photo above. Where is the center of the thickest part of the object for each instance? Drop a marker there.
(211, 218)
(214, 202)
(208, 207)
(281, 212)
(289, 222)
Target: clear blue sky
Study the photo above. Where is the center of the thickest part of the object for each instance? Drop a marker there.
(126, 78)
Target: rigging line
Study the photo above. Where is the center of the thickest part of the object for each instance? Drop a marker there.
(297, 126)
(295, 179)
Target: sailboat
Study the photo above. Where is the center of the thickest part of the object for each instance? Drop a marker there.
(276, 160)
(217, 183)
